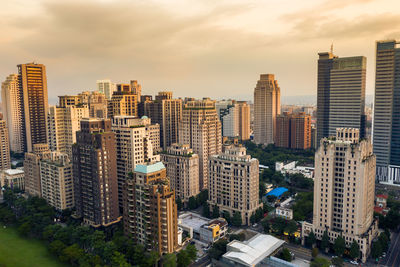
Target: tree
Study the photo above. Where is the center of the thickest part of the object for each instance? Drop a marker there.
(192, 204)
(337, 262)
(376, 250)
(179, 203)
(118, 260)
(325, 241)
(149, 259)
(236, 219)
(206, 210)
(314, 252)
(354, 250)
(183, 259)
(218, 249)
(271, 198)
(320, 262)
(72, 254)
(25, 228)
(339, 246)
(192, 252)
(291, 227)
(169, 260)
(310, 240)
(215, 212)
(227, 216)
(285, 255)
(384, 240)
(56, 247)
(266, 227)
(279, 225)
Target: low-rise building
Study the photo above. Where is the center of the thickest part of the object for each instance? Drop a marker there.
(285, 213)
(292, 168)
(13, 178)
(380, 204)
(214, 230)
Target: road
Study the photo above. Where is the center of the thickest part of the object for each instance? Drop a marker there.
(392, 258)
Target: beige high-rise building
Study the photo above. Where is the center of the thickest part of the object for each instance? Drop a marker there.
(12, 102)
(201, 129)
(106, 87)
(234, 182)
(33, 85)
(97, 105)
(32, 168)
(13, 178)
(167, 112)
(57, 183)
(183, 170)
(267, 105)
(63, 123)
(5, 161)
(244, 120)
(136, 140)
(70, 100)
(123, 102)
(136, 89)
(150, 211)
(344, 190)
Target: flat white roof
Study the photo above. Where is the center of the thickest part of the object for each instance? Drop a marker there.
(192, 220)
(252, 251)
(13, 171)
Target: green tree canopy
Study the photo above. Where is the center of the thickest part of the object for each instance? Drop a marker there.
(354, 250)
(339, 246)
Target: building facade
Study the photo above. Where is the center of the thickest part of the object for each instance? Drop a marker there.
(57, 184)
(386, 123)
(267, 105)
(95, 173)
(293, 131)
(244, 120)
(5, 161)
(33, 185)
(344, 190)
(13, 178)
(341, 94)
(136, 89)
(183, 170)
(150, 211)
(234, 182)
(200, 128)
(228, 113)
(123, 102)
(106, 87)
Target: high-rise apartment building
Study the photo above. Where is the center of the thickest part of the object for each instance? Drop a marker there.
(200, 128)
(167, 112)
(244, 120)
(293, 131)
(12, 102)
(63, 122)
(97, 103)
(106, 87)
(150, 211)
(344, 190)
(228, 113)
(5, 161)
(267, 105)
(386, 123)
(183, 170)
(134, 138)
(95, 173)
(234, 182)
(136, 89)
(123, 102)
(33, 85)
(341, 94)
(57, 184)
(32, 160)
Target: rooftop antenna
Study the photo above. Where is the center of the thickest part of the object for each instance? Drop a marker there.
(332, 48)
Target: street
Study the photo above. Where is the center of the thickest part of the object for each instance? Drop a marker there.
(392, 258)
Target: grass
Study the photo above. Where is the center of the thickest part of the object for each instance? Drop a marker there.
(23, 252)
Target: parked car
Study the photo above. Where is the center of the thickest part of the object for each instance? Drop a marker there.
(354, 262)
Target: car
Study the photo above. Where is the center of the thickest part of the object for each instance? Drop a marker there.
(354, 262)
(383, 254)
(255, 225)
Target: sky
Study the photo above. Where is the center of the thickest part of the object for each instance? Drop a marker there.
(196, 48)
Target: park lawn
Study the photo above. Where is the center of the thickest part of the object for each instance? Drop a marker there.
(16, 251)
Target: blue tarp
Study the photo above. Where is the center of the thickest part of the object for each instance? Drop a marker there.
(277, 192)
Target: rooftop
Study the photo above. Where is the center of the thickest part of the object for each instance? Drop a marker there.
(192, 220)
(277, 192)
(13, 171)
(150, 167)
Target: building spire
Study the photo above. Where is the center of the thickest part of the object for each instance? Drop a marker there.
(332, 48)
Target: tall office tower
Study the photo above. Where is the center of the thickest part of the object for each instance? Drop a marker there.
(5, 162)
(228, 113)
(267, 105)
(344, 190)
(33, 85)
(97, 105)
(300, 131)
(341, 94)
(70, 100)
(201, 129)
(150, 211)
(57, 181)
(11, 97)
(106, 87)
(123, 102)
(244, 120)
(282, 132)
(136, 89)
(95, 173)
(313, 136)
(144, 102)
(63, 123)
(386, 125)
(234, 183)
(183, 170)
(134, 145)
(167, 112)
(32, 168)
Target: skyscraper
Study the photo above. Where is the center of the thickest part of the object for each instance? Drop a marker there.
(341, 94)
(228, 113)
(33, 84)
(267, 105)
(201, 129)
(183, 170)
(136, 89)
(386, 124)
(234, 183)
(244, 120)
(133, 138)
(123, 102)
(95, 173)
(11, 97)
(150, 211)
(5, 162)
(106, 87)
(293, 131)
(33, 184)
(344, 190)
